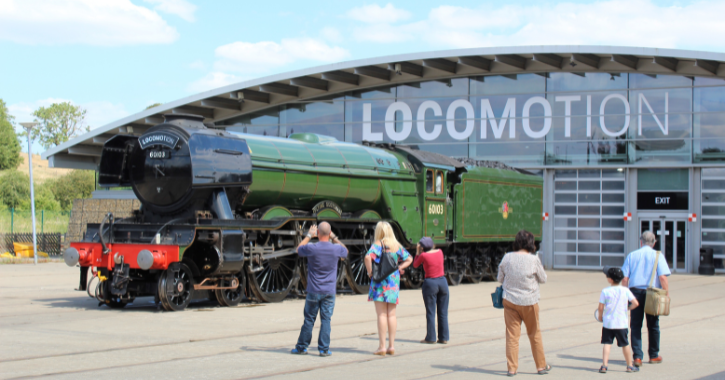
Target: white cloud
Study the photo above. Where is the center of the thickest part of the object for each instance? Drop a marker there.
(331, 34)
(92, 22)
(198, 65)
(613, 22)
(213, 80)
(375, 14)
(257, 57)
(181, 8)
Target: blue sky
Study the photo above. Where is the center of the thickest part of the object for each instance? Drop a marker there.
(115, 57)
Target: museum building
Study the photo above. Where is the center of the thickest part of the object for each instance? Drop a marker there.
(627, 139)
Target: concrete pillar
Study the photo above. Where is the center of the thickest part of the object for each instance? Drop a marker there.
(548, 226)
(630, 202)
(695, 231)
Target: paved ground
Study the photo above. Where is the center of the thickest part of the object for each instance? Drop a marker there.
(47, 329)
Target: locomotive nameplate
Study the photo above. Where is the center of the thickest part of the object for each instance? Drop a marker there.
(158, 138)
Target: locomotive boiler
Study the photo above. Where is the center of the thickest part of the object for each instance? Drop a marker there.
(222, 213)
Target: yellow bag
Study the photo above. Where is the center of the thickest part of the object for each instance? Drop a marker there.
(657, 302)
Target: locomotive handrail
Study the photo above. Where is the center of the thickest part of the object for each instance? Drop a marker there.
(405, 193)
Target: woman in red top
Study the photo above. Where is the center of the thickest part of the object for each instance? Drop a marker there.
(435, 290)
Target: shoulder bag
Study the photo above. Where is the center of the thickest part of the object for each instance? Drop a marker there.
(657, 301)
(387, 265)
(497, 298)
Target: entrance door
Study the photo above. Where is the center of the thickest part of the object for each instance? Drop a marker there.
(671, 234)
(435, 205)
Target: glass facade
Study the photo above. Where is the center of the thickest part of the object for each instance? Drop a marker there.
(526, 120)
(713, 214)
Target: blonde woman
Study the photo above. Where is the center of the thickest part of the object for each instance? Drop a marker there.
(385, 293)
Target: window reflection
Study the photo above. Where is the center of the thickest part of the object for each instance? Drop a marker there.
(558, 82)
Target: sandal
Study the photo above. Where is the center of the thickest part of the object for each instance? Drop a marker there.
(379, 353)
(603, 369)
(545, 371)
(632, 369)
(510, 374)
(390, 351)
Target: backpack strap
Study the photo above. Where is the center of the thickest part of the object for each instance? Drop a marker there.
(654, 270)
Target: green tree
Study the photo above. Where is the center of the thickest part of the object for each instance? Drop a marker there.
(58, 123)
(10, 152)
(15, 190)
(78, 184)
(153, 105)
(45, 199)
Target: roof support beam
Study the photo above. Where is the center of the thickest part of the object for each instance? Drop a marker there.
(101, 139)
(252, 95)
(441, 64)
(667, 63)
(342, 77)
(72, 162)
(281, 89)
(85, 150)
(476, 62)
(156, 119)
(552, 60)
(373, 72)
(310, 82)
(512, 60)
(626, 60)
(227, 104)
(401, 68)
(206, 112)
(709, 66)
(590, 60)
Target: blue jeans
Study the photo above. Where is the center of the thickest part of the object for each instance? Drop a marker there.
(324, 304)
(653, 328)
(435, 293)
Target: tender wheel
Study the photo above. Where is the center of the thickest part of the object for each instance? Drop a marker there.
(474, 269)
(275, 278)
(357, 274)
(231, 297)
(175, 287)
(413, 277)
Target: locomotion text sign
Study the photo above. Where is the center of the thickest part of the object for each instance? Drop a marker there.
(481, 114)
(157, 138)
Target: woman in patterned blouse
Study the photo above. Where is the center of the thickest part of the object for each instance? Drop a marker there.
(385, 293)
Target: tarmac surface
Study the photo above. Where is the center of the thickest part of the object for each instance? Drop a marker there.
(49, 330)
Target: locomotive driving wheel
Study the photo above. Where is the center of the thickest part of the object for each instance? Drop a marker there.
(413, 277)
(357, 274)
(274, 278)
(231, 297)
(474, 269)
(455, 269)
(175, 287)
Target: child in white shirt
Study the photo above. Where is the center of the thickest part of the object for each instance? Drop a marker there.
(613, 305)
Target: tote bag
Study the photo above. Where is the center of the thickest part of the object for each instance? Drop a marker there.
(497, 298)
(387, 265)
(657, 301)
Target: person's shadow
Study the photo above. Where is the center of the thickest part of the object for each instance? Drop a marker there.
(460, 368)
(589, 359)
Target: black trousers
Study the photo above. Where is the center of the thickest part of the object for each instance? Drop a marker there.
(435, 297)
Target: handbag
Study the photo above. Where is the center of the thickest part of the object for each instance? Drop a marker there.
(385, 267)
(657, 301)
(497, 298)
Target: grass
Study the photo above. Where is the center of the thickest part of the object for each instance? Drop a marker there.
(48, 221)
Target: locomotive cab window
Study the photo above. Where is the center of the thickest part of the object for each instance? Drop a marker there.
(439, 182)
(429, 181)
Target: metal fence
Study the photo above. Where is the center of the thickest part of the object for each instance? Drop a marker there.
(19, 221)
(49, 243)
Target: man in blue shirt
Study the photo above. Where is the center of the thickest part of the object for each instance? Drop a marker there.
(322, 259)
(637, 269)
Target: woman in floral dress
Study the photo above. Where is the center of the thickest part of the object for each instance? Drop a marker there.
(385, 293)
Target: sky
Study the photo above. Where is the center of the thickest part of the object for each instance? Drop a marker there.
(115, 57)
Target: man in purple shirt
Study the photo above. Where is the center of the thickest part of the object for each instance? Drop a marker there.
(322, 259)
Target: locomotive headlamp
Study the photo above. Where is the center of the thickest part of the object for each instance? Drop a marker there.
(145, 259)
(71, 257)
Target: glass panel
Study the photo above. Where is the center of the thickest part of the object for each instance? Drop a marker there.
(565, 210)
(266, 117)
(713, 236)
(565, 174)
(508, 84)
(590, 81)
(565, 234)
(333, 130)
(589, 247)
(590, 173)
(564, 185)
(432, 89)
(589, 210)
(317, 113)
(613, 235)
(589, 235)
(564, 260)
(612, 261)
(644, 226)
(705, 81)
(613, 223)
(656, 229)
(376, 93)
(612, 198)
(253, 130)
(681, 237)
(713, 210)
(709, 99)
(429, 181)
(613, 173)
(561, 198)
(713, 223)
(647, 81)
(713, 172)
(668, 238)
(612, 210)
(714, 184)
(612, 185)
(612, 248)
(564, 222)
(589, 222)
(588, 198)
(439, 183)
(589, 185)
(565, 247)
(663, 179)
(590, 261)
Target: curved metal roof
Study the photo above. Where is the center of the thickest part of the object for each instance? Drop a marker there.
(237, 99)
